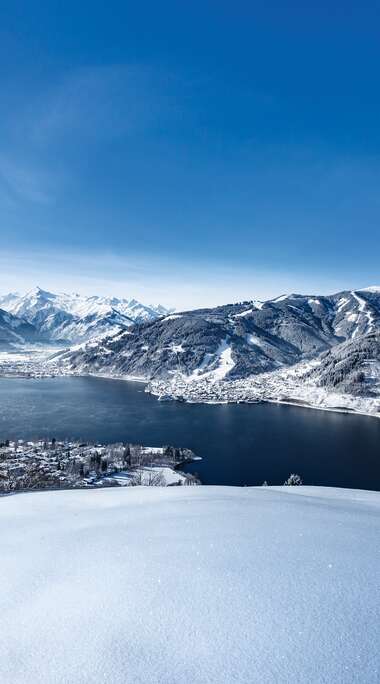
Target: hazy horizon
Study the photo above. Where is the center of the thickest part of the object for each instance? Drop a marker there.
(120, 289)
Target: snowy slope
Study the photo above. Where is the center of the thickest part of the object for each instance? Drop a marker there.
(234, 341)
(73, 318)
(190, 585)
(16, 332)
(352, 367)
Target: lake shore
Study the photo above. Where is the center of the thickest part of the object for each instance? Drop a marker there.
(241, 444)
(288, 386)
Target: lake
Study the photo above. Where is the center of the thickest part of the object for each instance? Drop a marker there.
(242, 444)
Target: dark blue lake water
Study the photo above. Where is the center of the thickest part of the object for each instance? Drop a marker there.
(240, 444)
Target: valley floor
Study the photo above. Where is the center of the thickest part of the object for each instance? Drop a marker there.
(198, 584)
(28, 362)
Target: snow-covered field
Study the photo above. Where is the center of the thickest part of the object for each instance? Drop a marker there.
(194, 585)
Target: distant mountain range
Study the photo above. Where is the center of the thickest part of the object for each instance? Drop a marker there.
(236, 341)
(45, 317)
(196, 349)
(15, 332)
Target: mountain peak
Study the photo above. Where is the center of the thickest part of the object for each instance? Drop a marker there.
(372, 288)
(39, 292)
(67, 318)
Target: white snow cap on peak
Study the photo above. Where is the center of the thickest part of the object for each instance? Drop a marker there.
(372, 288)
(39, 292)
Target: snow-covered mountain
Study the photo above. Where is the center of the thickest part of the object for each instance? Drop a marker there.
(71, 318)
(352, 367)
(16, 332)
(234, 341)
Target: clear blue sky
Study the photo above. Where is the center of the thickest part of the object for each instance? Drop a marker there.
(192, 153)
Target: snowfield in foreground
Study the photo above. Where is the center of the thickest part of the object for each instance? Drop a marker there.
(195, 585)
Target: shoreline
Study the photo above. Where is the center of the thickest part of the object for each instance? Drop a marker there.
(212, 401)
(49, 464)
(346, 411)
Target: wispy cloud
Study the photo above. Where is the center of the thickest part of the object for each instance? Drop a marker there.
(178, 283)
(102, 102)
(83, 108)
(24, 181)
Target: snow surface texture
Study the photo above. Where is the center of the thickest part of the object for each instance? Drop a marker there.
(190, 585)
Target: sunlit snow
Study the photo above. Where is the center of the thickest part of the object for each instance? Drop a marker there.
(190, 584)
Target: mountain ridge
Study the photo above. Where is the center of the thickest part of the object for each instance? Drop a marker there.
(70, 318)
(234, 341)
(15, 332)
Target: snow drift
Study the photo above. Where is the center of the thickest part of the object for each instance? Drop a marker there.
(197, 585)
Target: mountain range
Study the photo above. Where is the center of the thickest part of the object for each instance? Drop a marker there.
(236, 341)
(15, 331)
(65, 319)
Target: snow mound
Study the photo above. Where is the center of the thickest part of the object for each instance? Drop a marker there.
(197, 584)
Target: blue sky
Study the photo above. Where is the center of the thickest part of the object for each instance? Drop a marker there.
(189, 153)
